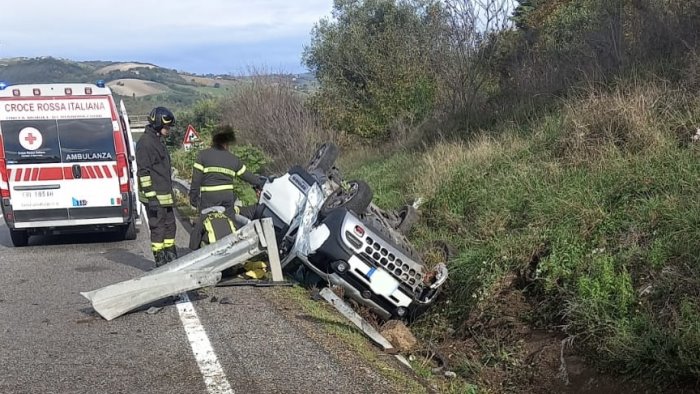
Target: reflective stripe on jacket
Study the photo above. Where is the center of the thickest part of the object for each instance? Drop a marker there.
(210, 228)
(213, 175)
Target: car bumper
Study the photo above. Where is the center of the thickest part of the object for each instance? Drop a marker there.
(363, 279)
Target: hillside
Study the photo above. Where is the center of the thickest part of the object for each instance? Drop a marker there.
(141, 85)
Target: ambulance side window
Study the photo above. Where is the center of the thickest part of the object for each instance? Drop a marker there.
(85, 140)
(31, 141)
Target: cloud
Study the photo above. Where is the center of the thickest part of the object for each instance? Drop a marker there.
(81, 29)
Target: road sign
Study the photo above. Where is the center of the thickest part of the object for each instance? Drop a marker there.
(191, 137)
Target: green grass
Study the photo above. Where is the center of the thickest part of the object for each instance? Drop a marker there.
(599, 205)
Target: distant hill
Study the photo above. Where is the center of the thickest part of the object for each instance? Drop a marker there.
(136, 87)
(123, 67)
(141, 85)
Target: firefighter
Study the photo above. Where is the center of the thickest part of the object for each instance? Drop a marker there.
(213, 174)
(155, 185)
(212, 225)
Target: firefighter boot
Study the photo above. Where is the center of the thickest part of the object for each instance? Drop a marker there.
(170, 253)
(160, 257)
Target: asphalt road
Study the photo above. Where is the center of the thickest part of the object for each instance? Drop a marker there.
(51, 341)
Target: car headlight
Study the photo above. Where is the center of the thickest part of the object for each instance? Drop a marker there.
(340, 266)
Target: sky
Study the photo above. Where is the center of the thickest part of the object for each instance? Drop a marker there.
(198, 36)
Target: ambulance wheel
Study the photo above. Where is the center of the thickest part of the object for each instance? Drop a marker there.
(129, 232)
(19, 237)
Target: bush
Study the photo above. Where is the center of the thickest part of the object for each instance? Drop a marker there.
(253, 158)
(271, 115)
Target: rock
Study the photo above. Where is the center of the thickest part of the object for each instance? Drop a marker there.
(154, 309)
(450, 374)
(396, 332)
(225, 301)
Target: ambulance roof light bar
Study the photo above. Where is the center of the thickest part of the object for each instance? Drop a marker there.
(100, 83)
(3, 85)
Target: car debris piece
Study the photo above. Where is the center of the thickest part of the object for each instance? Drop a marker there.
(361, 323)
(154, 309)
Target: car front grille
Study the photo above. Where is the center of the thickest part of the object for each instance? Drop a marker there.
(400, 267)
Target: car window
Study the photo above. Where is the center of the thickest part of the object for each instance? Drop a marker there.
(86, 140)
(30, 141)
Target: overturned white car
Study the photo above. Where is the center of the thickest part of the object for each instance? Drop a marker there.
(347, 240)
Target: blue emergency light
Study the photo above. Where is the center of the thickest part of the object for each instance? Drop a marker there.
(3, 85)
(100, 83)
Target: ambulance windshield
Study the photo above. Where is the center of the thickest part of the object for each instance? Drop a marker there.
(56, 141)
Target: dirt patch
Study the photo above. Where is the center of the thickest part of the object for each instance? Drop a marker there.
(500, 352)
(123, 67)
(137, 87)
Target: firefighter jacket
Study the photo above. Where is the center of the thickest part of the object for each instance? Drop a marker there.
(213, 175)
(154, 172)
(211, 226)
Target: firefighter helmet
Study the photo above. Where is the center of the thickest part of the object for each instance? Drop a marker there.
(161, 117)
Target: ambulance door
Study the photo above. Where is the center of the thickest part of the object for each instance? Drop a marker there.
(131, 149)
(34, 171)
(91, 186)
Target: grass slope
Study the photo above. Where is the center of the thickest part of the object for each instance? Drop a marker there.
(594, 210)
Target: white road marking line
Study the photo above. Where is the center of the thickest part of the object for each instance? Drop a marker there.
(209, 366)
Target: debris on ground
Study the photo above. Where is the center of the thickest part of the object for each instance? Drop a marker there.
(154, 309)
(396, 332)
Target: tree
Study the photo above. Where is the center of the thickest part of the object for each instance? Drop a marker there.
(470, 40)
(373, 60)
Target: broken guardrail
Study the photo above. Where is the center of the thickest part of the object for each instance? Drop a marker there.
(198, 269)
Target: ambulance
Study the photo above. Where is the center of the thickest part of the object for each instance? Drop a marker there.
(66, 161)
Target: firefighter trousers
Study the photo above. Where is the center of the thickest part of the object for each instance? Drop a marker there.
(161, 223)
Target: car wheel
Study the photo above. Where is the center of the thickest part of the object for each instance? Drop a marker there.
(324, 158)
(19, 238)
(408, 216)
(356, 197)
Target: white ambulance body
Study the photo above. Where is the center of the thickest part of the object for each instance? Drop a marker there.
(65, 161)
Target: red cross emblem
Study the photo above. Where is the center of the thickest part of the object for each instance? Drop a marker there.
(30, 138)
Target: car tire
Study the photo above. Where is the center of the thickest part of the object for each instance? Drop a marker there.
(323, 158)
(355, 198)
(19, 238)
(408, 216)
(129, 231)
